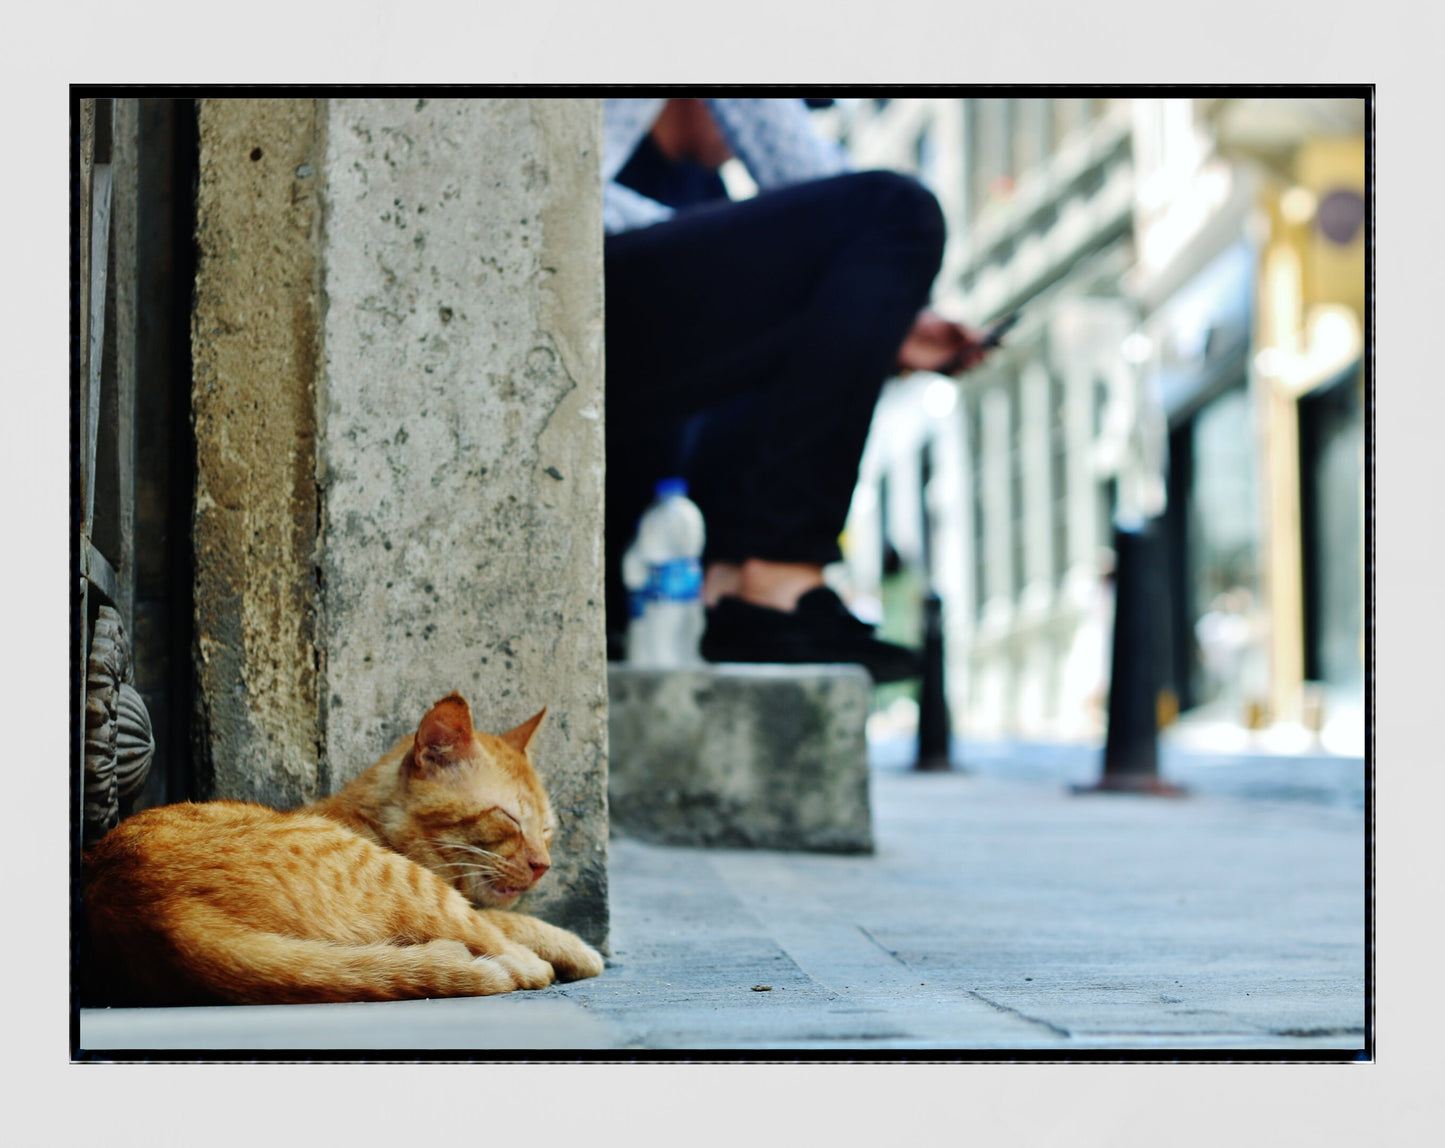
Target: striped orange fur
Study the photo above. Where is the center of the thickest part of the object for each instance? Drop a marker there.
(396, 887)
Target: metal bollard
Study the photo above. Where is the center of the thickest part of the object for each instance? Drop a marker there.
(934, 727)
(1131, 748)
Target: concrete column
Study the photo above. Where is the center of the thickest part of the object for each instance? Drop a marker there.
(952, 542)
(462, 444)
(1081, 483)
(1280, 325)
(993, 665)
(1038, 515)
(997, 508)
(253, 344)
(399, 418)
(1035, 664)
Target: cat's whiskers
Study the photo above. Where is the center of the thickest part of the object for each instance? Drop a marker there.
(468, 848)
(467, 866)
(491, 870)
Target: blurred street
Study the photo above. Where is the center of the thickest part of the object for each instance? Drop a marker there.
(997, 913)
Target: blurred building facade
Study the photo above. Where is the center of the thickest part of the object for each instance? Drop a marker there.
(1191, 279)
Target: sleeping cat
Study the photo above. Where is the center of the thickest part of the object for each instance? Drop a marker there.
(395, 887)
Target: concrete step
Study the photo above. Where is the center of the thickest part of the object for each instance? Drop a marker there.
(761, 756)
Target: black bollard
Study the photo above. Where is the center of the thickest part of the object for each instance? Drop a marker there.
(1131, 748)
(934, 728)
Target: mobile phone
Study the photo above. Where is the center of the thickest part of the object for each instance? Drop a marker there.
(994, 335)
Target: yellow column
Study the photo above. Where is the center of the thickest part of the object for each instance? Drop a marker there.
(1278, 335)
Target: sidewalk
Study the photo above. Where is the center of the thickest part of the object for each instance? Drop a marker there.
(996, 914)
(1211, 765)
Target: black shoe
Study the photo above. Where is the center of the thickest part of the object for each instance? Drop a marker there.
(818, 629)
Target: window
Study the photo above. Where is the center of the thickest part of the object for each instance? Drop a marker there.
(1332, 453)
(1221, 547)
(1059, 477)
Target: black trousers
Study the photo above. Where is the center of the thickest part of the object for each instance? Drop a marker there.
(746, 346)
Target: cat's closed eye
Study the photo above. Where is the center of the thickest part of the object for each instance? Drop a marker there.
(508, 816)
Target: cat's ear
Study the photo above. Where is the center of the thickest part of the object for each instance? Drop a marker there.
(521, 737)
(444, 734)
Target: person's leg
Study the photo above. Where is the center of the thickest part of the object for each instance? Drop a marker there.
(800, 297)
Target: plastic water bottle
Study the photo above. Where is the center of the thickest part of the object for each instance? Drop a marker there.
(669, 545)
(635, 576)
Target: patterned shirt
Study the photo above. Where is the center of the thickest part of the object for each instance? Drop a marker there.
(773, 139)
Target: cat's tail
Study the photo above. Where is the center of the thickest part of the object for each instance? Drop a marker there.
(244, 966)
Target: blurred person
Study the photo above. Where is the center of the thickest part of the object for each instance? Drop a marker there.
(747, 343)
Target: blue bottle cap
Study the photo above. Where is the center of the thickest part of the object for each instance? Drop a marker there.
(667, 487)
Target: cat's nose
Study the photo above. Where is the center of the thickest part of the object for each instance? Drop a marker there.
(538, 868)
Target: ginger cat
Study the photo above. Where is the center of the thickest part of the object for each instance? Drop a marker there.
(395, 887)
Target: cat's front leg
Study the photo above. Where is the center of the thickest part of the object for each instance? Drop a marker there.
(502, 966)
(571, 956)
(527, 969)
(490, 944)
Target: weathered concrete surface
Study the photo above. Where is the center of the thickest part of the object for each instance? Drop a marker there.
(462, 444)
(253, 339)
(764, 756)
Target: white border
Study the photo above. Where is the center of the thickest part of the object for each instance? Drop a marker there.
(544, 41)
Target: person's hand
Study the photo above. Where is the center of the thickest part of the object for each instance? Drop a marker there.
(939, 344)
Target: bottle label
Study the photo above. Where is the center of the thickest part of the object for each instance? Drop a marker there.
(636, 603)
(679, 580)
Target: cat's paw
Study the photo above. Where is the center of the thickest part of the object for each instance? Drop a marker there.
(572, 957)
(526, 969)
(576, 961)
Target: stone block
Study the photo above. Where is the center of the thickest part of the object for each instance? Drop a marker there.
(760, 756)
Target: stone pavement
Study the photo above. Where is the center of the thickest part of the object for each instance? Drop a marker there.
(995, 914)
